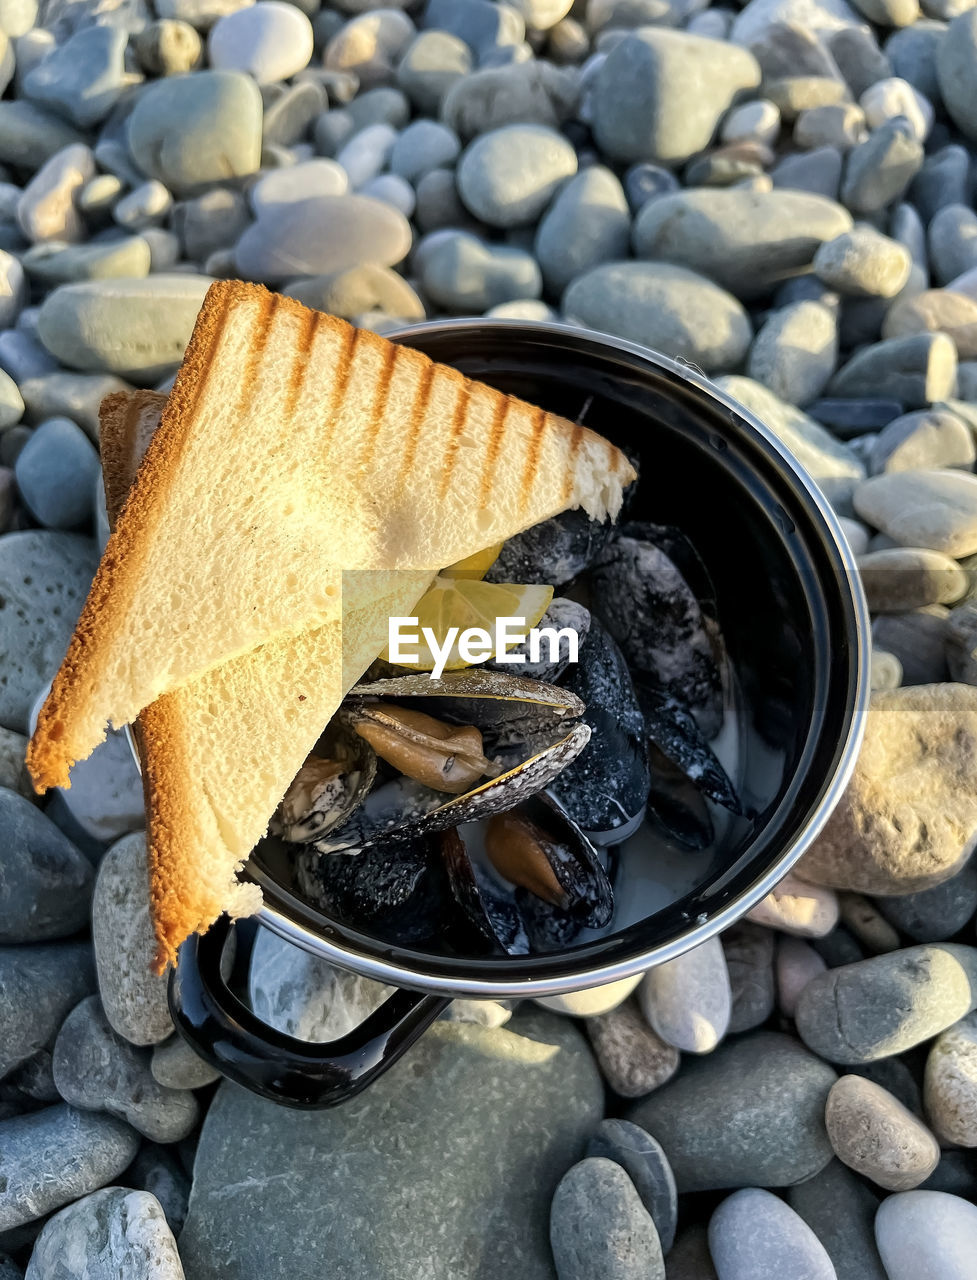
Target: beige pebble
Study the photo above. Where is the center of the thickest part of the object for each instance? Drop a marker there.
(874, 1134)
(807, 910)
(867, 924)
(593, 1001)
(634, 1060)
(796, 964)
(950, 1083)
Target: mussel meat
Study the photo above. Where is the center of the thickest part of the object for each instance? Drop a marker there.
(332, 783)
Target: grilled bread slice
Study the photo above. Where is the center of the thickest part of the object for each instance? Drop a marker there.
(294, 447)
(218, 753)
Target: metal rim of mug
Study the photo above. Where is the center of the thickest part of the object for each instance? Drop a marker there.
(473, 988)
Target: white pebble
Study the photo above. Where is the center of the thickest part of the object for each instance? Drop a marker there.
(367, 152)
(147, 206)
(13, 289)
(298, 182)
(893, 97)
(393, 190)
(806, 910)
(927, 1235)
(592, 1002)
(688, 1001)
(270, 41)
(757, 121)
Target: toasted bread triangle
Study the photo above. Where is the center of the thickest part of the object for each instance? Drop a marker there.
(294, 447)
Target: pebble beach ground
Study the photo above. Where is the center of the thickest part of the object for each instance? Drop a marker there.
(781, 194)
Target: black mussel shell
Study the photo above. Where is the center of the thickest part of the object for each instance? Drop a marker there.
(674, 731)
(396, 892)
(645, 602)
(605, 788)
(677, 805)
(562, 615)
(487, 918)
(553, 552)
(547, 927)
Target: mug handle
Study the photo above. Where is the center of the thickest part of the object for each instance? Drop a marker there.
(296, 1073)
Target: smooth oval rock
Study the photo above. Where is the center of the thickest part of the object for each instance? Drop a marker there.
(902, 578)
(321, 235)
(268, 41)
(955, 61)
(593, 1001)
(862, 263)
(176, 1066)
(926, 439)
(770, 1092)
(357, 290)
(874, 1134)
(805, 910)
(110, 1232)
(588, 223)
(936, 311)
(687, 1001)
(746, 241)
(936, 509)
(887, 1004)
(598, 1226)
(461, 273)
(840, 1208)
(908, 817)
(753, 1235)
(634, 1059)
(508, 176)
(749, 950)
(916, 370)
(133, 997)
(935, 914)
(646, 1164)
(39, 985)
(796, 351)
(927, 1233)
(524, 1097)
(950, 1083)
(57, 1155)
(45, 883)
(139, 328)
(796, 964)
(664, 307)
(56, 472)
(961, 642)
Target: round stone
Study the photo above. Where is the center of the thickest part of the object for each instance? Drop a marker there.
(392, 190)
(56, 471)
(938, 913)
(840, 1209)
(423, 146)
(431, 64)
(592, 1002)
(634, 1059)
(507, 177)
(753, 1235)
(863, 263)
(874, 1134)
(757, 121)
(887, 1004)
(357, 291)
(176, 1066)
(902, 578)
(748, 949)
(664, 307)
(46, 889)
(168, 48)
(879, 170)
(268, 41)
(952, 241)
(796, 351)
(82, 78)
(598, 1226)
(961, 642)
(588, 223)
(461, 273)
(46, 210)
(892, 97)
(113, 1231)
(55, 263)
(936, 509)
(936, 310)
(950, 1084)
(370, 45)
(799, 908)
(366, 154)
(927, 1233)
(319, 177)
(750, 1114)
(642, 1158)
(687, 1001)
(321, 235)
(797, 963)
(927, 439)
(956, 68)
(39, 984)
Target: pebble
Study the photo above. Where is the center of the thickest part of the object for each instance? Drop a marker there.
(664, 307)
(83, 78)
(887, 1004)
(771, 1093)
(955, 61)
(208, 222)
(745, 241)
(114, 1231)
(54, 1156)
(44, 576)
(200, 14)
(794, 907)
(749, 950)
(206, 127)
(936, 310)
(358, 290)
(867, 924)
(598, 1226)
(917, 640)
(641, 109)
(461, 273)
(881, 168)
(927, 1233)
(687, 1001)
(927, 439)
(430, 65)
(592, 1002)
(56, 473)
(321, 235)
(839, 125)
(526, 1097)
(167, 47)
(932, 508)
(796, 964)
(367, 153)
(369, 45)
(134, 327)
(269, 41)
(146, 206)
(758, 121)
(961, 643)
(424, 145)
(874, 1134)
(840, 1209)
(97, 1070)
(912, 52)
(952, 242)
(817, 172)
(320, 177)
(942, 180)
(893, 97)
(11, 403)
(917, 370)
(863, 263)
(886, 670)
(13, 771)
(46, 210)
(832, 464)
(633, 1058)
(753, 1235)
(30, 136)
(854, 417)
(645, 1163)
(950, 1083)
(796, 351)
(508, 176)
(587, 224)
(176, 1066)
(13, 288)
(903, 578)
(157, 1171)
(54, 262)
(287, 120)
(47, 883)
(856, 534)
(938, 913)
(644, 182)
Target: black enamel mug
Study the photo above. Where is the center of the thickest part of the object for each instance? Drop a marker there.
(796, 629)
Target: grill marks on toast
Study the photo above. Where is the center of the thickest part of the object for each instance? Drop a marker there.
(415, 422)
(493, 448)
(576, 440)
(384, 376)
(533, 452)
(307, 332)
(344, 365)
(456, 430)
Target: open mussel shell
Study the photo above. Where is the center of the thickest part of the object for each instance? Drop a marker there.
(487, 917)
(672, 728)
(554, 551)
(644, 600)
(333, 782)
(676, 804)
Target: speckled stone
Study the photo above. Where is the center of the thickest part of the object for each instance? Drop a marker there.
(645, 1163)
(598, 1226)
(114, 1231)
(950, 1083)
(176, 1066)
(46, 885)
(634, 1059)
(874, 1134)
(938, 913)
(753, 1235)
(39, 985)
(927, 1233)
(749, 952)
(687, 1001)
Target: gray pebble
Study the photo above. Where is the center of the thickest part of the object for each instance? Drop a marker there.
(97, 1070)
(817, 172)
(796, 351)
(934, 508)
(332, 130)
(176, 1066)
(111, 1232)
(56, 1155)
(217, 218)
(30, 136)
(588, 223)
(944, 179)
(133, 997)
(507, 177)
(462, 273)
(56, 473)
(912, 54)
(82, 78)
(927, 1233)
(167, 47)
(887, 1004)
(483, 26)
(840, 1209)
(753, 1235)
(532, 92)
(858, 57)
(145, 206)
(935, 914)
(771, 1093)
(839, 125)
(961, 642)
(634, 1059)
(863, 263)
(929, 438)
(916, 370)
(918, 641)
(423, 146)
(645, 1163)
(38, 987)
(46, 209)
(160, 1173)
(598, 1226)
(956, 60)
(748, 949)
(880, 169)
(366, 153)
(383, 105)
(438, 205)
(644, 182)
(55, 263)
(358, 290)
(47, 883)
(952, 238)
(430, 65)
(903, 578)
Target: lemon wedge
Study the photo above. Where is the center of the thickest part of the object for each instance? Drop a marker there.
(467, 604)
(474, 567)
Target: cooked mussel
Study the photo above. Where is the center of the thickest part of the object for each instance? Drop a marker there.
(487, 915)
(332, 783)
(442, 756)
(673, 729)
(555, 551)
